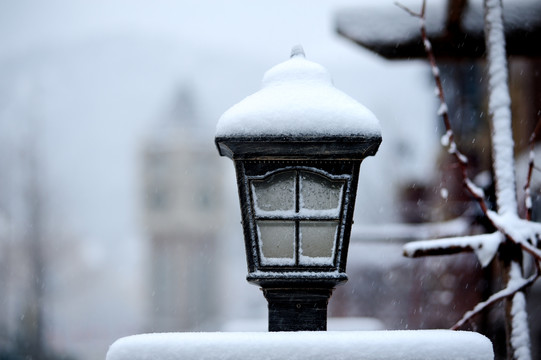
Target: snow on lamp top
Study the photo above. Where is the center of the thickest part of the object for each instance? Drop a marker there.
(298, 98)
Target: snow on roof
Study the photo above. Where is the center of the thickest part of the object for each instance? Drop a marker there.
(298, 98)
(386, 22)
(313, 345)
(388, 30)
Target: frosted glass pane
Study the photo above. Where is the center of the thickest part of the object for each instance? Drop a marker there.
(318, 238)
(277, 241)
(318, 192)
(275, 193)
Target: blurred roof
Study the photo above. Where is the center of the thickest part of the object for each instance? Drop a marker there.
(454, 27)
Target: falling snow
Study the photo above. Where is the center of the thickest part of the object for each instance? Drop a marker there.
(506, 220)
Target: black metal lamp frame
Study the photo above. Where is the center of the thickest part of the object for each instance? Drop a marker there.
(297, 293)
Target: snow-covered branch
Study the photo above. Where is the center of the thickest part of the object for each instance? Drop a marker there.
(519, 331)
(485, 246)
(511, 289)
(524, 233)
(499, 108)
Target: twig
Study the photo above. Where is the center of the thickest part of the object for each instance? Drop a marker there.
(411, 12)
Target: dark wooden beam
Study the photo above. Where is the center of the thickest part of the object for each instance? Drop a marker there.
(455, 12)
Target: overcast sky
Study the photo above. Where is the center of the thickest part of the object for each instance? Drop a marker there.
(237, 26)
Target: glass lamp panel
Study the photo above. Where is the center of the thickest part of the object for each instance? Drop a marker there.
(320, 193)
(276, 242)
(317, 242)
(274, 194)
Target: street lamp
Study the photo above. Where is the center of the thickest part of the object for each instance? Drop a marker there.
(297, 146)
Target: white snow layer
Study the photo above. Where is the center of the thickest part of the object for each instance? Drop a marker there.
(520, 334)
(298, 98)
(520, 338)
(499, 107)
(365, 345)
(485, 246)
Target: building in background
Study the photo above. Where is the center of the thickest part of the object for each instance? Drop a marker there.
(182, 211)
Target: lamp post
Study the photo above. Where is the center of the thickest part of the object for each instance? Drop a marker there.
(297, 146)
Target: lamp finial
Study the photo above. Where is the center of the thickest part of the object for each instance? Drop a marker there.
(297, 50)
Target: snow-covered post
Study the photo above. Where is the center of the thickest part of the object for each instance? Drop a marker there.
(297, 145)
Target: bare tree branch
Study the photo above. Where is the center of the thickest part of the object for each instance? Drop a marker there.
(448, 140)
(411, 12)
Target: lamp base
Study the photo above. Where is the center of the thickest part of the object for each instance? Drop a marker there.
(298, 309)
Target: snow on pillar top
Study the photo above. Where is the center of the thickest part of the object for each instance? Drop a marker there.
(298, 98)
